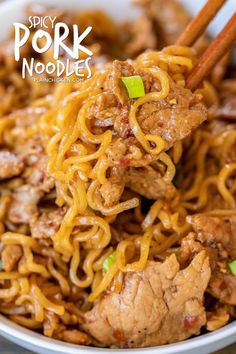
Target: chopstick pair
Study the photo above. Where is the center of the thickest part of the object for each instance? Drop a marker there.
(222, 43)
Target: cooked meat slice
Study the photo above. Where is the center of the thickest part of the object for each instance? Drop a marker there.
(113, 188)
(106, 111)
(105, 107)
(223, 287)
(24, 204)
(10, 256)
(212, 230)
(32, 153)
(190, 246)
(168, 16)
(114, 84)
(149, 183)
(30, 150)
(36, 174)
(121, 153)
(26, 117)
(173, 118)
(47, 224)
(74, 336)
(24, 122)
(172, 121)
(142, 36)
(10, 165)
(158, 305)
(218, 237)
(169, 19)
(217, 318)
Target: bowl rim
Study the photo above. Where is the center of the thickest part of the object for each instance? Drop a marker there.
(11, 330)
(19, 334)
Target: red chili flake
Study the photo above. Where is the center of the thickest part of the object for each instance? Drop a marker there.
(190, 321)
(152, 144)
(128, 133)
(124, 162)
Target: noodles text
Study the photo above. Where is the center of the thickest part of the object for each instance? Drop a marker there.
(57, 41)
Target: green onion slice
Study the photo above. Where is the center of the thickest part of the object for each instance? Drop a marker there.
(134, 85)
(109, 261)
(1, 265)
(232, 267)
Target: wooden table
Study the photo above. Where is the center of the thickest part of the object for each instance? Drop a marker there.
(10, 348)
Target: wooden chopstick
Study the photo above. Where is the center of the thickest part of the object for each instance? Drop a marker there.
(214, 52)
(200, 22)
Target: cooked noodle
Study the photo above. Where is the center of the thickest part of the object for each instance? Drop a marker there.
(57, 278)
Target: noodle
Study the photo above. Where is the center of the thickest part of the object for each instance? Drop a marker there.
(106, 184)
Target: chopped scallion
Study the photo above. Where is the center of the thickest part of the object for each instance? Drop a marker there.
(232, 267)
(134, 85)
(109, 261)
(1, 265)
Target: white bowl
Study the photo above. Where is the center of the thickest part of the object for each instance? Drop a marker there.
(13, 10)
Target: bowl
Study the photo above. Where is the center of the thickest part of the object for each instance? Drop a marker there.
(13, 10)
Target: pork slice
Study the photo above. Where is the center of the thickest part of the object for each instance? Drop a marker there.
(10, 165)
(107, 112)
(32, 152)
(24, 204)
(10, 256)
(218, 237)
(104, 107)
(172, 121)
(143, 36)
(24, 122)
(119, 153)
(113, 188)
(173, 118)
(223, 287)
(47, 224)
(74, 336)
(36, 174)
(190, 246)
(169, 18)
(158, 305)
(113, 83)
(211, 230)
(149, 183)
(26, 117)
